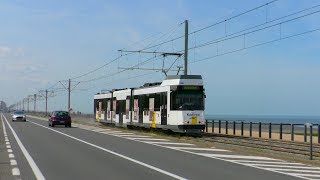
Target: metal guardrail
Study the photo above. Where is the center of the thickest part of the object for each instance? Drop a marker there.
(270, 128)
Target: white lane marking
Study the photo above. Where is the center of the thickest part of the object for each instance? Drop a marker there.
(308, 175)
(231, 161)
(13, 162)
(110, 132)
(235, 156)
(267, 162)
(296, 170)
(6, 139)
(11, 155)
(128, 136)
(102, 130)
(15, 171)
(170, 143)
(98, 130)
(116, 154)
(31, 162)
(226, 160)
(123, 134)
(200, 149)
(285, 167)
(148, 139)
(90, 128)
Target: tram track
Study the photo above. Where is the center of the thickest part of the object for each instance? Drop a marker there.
(296, 148)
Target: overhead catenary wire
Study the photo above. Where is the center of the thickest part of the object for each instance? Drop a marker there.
(253, 31)
(256, 30)
(256, 45)
(113, 74)
(196, 46)
(233, 17)
(96, 69)
(171, 40)
(212, 25)
(113, 60)
(193, 32)
(232, 35)
(122, 79)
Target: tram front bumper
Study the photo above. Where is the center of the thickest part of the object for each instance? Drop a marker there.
(191, 127)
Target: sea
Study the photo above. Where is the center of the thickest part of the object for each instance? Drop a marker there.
(267, 118)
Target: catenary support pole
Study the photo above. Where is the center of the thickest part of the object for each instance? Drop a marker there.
(28, 103)
(35, 103)
(186, 34)
(46, 102)
(69, 92)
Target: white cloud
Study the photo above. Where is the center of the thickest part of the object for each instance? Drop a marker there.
(34, 80)
(6, 51)
(21, 68)
(25, 72)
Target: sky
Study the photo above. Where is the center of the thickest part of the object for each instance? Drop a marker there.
(44, 42)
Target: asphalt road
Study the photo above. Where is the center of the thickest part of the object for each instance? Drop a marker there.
(82, 153)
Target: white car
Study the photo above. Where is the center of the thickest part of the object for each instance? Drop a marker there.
(19, 115)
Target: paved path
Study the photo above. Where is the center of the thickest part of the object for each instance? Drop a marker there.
(86, 152)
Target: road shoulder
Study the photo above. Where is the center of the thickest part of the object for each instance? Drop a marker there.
(5, 167)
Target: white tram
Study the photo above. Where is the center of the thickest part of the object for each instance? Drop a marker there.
(176, 104)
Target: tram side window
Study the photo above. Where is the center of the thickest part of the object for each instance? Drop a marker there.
(121, 106)
(144, 104)
(157, 102)
(104, 103)
(96, 104)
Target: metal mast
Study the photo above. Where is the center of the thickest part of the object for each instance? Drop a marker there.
(186, 47)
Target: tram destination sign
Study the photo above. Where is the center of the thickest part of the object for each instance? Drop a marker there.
(191, 88)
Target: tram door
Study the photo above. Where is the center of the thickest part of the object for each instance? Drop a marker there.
(140, 102)
(121, 111)
(163, 108)
(121, 118)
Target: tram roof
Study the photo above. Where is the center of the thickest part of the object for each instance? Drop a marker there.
(184, 77)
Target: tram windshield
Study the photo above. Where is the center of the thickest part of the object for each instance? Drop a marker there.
(187, 100)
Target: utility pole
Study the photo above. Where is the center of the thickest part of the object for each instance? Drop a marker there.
(45, 94)
(28, 103)
(35, 102)
(23, 104)
(46, 101)
(69, 90)
(186, 34)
